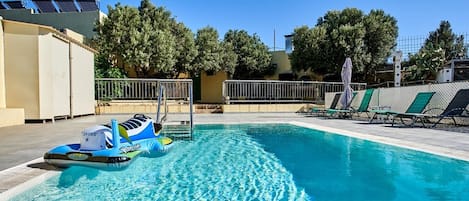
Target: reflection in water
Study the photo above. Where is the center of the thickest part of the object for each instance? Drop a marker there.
(440, 174)
(72, 174)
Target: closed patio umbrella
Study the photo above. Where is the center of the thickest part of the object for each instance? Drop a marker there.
(346, 79)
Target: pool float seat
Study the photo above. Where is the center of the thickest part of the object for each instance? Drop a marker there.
(112, 145)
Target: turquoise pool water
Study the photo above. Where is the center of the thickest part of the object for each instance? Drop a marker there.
(267, 162)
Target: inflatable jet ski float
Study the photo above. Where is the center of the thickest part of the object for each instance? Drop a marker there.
(114, 145)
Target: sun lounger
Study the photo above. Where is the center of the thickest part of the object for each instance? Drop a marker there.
(321, 111)
(344, 113)
(457, 107)
(416, 108)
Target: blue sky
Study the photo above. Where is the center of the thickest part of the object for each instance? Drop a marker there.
(415, 17)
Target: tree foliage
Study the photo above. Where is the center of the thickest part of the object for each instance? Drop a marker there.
(186, 50)
(146, 39)
(439, 48)
(367, 39)
(209, 49)
(253, 57)
(444, 38)
(426, 63)
(105, 69)
(229, 58)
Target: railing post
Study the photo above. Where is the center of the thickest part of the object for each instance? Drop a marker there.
(160, 96)
(223, 91)
(190, 108)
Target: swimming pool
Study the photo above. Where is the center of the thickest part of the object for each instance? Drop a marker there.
(267, 162)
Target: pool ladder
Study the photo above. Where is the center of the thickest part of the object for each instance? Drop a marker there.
(176, 132)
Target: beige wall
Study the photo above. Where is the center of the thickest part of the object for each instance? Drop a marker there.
(211, 87)
(76, 36)
(21, 61)
(2, 69)
(82, 80)
(81, 22)
(38, 72)
(8, 116)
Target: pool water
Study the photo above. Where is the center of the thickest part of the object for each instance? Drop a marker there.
(267, 162)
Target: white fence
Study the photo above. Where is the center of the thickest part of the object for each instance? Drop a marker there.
(141, 89)
(270, 91)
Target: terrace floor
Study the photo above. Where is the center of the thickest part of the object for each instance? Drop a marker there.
(23, 146)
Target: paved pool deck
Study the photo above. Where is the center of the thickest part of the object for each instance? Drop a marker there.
(23, 146)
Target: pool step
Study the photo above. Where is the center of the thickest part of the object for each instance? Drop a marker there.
(177, 132)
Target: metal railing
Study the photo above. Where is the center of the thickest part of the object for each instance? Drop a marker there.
(141, 89)
(270, 91)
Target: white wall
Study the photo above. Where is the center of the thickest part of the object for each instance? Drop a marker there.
(60, 64)
(82, 80)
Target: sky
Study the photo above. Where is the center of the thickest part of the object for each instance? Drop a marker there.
(266, 17)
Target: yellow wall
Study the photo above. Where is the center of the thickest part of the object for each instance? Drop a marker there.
(21, 61)
(2, 69)
(211, 87)
(283, 64)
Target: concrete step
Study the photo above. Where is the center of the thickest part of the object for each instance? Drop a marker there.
(208, 108)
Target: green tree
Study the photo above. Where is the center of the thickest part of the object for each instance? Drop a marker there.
(427, 62)
(105, 69)
(157, 45)
(439, 48)
(209, 50)
(139, 39)
(186, 50)
(367, 39)
(115, 35)
(444, 38)
(310, 41)
(229, 58)
(380, 39)
(253, 60)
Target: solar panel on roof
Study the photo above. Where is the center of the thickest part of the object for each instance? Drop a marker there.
(45, 6)
(88, 5)
(66, 6)
(2, 6)
(15, 4)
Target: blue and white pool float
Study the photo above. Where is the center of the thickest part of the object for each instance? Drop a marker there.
(98, 147)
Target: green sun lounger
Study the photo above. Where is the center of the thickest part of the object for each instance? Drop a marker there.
(416, 108)
(343, 113)
(321, 111)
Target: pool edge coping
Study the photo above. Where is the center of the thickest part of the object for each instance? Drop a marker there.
(435, 150)
(42, 175)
